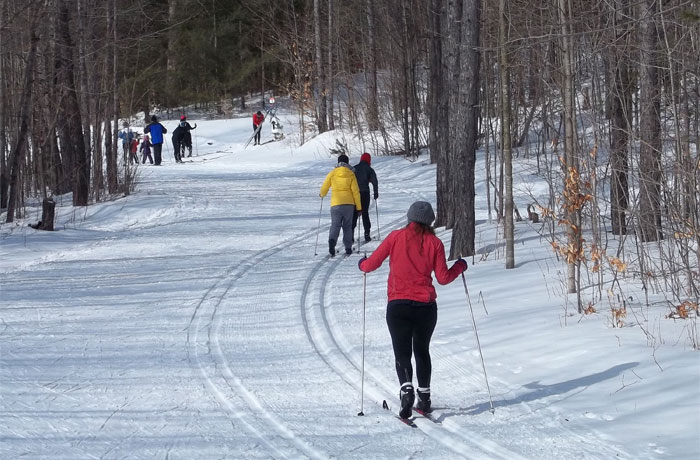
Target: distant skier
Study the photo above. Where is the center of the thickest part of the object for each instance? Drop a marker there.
(178, 134)
(126, 135)
(365, 176)
(345, 199)
(146, 149)
(277, 128)
(133, 151)
(414, 254)
(258, 120)
(156, 130)
(186, 142)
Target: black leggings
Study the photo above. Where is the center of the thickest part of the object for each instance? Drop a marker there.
(411, 325)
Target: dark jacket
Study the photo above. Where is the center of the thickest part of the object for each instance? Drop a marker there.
(186, 126)
(178, 134)
(365, 174)
(146, 146)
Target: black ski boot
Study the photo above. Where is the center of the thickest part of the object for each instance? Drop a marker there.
(331, 247)
(407, 397)
(348, 251)
(424, 400)
(367, 238)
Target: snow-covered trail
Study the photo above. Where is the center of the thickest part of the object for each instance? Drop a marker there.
(192, 320)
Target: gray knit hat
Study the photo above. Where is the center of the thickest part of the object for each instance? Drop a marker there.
(421, 212)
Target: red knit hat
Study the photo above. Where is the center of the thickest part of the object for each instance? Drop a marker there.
(367, 158)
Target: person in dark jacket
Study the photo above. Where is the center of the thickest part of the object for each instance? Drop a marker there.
(258, 119)
(365, 176)
(178, 134)
(414, 254)
(186, 142)
(156, 130)
(146, 149)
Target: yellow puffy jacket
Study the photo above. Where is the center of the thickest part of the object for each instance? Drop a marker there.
(344, 184)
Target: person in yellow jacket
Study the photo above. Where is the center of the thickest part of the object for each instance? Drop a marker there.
(345, 199)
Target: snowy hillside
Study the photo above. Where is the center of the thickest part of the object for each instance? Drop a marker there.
(192, 320)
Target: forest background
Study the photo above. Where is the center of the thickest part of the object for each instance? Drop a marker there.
(605, 95)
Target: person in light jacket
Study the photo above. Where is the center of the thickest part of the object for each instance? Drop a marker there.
(345, 199)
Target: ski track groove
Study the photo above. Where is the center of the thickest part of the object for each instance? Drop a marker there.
(208, 321)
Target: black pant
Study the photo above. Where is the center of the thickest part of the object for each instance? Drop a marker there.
(411, 325)
(257, 133)
(364, 202)
(157, 149)
(176, 149)
(186, 143)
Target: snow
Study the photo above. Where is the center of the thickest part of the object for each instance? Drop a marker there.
(192, 320)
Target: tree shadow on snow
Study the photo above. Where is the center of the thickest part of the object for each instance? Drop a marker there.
(540, 391)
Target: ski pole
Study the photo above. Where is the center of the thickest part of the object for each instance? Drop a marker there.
(319, 228)
(364, 309)
(377, 208)
(476, 334)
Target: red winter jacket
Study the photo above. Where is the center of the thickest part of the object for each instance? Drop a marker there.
(413, 257)
(258, 119)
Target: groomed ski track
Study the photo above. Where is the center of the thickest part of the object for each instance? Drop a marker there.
(220, 341)
(243, 336)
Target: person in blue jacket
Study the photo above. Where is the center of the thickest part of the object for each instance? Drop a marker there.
(156, 130)
(127, 136)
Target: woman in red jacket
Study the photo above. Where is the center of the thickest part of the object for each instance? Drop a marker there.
(414, 254)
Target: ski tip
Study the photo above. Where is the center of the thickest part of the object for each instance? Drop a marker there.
(385, 405)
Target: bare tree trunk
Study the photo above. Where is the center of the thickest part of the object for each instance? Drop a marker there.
(569, 131)
(442, 128)
(464, 151)
(112, 132)
(322, 112)
(70, 120)
(650, 128)
(405, 82)
(171, 64)
(18, 149)
(508, 228)
(4, 180)
(435, 77)
(330, 82)
(372, 108)
(620, 105)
